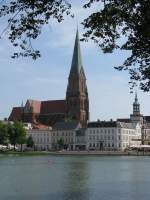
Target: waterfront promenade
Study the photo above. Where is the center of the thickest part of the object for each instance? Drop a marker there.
(81, 153)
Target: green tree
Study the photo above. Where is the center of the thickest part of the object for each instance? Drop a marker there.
(17, 134)
(124, 25)
(60, 143)
(30, 142)
(3, 134)
(21, 139)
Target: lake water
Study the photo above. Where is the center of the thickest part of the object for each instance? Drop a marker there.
(74, 178)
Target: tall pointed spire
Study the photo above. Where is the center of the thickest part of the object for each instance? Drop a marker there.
(77, 94)
(77, 58)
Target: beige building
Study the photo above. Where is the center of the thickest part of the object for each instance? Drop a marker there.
(66, 132)
(112, 135)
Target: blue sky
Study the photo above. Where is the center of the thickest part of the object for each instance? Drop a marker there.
(46, 78)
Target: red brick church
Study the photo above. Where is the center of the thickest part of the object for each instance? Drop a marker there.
(74, 107)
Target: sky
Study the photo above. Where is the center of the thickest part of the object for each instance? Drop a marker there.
(46, 78)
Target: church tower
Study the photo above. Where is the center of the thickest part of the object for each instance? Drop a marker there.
(77, 94)
(136, 116)
(136, 106)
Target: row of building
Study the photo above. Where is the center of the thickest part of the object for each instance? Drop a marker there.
(100, 135)
(110, 135)
(51, 121)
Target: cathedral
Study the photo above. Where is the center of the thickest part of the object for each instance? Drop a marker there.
(75, 107)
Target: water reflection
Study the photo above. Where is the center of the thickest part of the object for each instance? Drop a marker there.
(74, 178)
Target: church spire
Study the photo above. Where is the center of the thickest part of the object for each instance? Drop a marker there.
(76, 65)
(136, 116)
(136, 106)
(77, 94)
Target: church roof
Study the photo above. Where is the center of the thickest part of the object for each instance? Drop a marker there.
(77, 59)
(41, 108)
(15, 114)
(54, 106)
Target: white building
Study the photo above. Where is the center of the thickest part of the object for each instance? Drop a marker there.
(112, 135)
(100, 135)
(41, 137)
(65, 131)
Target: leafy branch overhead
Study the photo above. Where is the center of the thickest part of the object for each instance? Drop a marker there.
(26, 19)
(124, 25)
(116, 24)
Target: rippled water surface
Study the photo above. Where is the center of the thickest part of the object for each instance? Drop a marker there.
(74, 178)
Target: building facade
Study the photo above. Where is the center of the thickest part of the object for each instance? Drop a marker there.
(99, 136)
(66, 132)
(112, 135)
(42, 139)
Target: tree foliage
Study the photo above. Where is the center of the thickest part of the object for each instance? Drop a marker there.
(3, 134)
(26, 19)
(30, 142)
(127, 19)
(17, 134)
(21, 133)
(60, 143)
